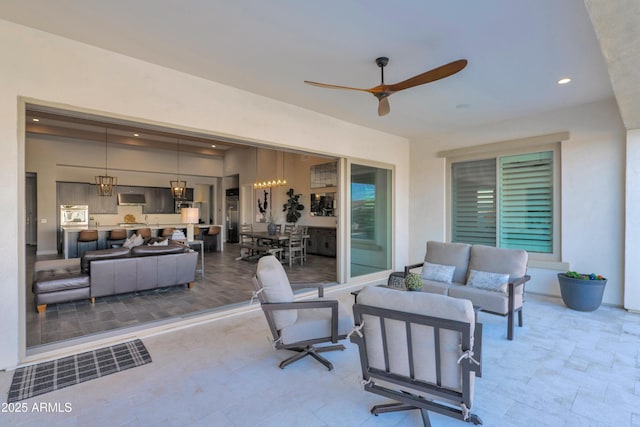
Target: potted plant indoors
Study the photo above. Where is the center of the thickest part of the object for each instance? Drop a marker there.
(413, 282)
(293, 206)
(582, 292)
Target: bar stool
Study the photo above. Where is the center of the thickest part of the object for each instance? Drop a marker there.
(167, 232)
(145, 233)
(211, 238)
(86, 236)
(116, 238)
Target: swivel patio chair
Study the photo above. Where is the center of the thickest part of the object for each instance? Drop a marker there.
(299, 325)
(419, 349)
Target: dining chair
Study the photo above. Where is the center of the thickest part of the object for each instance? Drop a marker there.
(295, 246)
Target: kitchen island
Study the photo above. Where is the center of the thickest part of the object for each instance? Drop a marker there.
(71, 233)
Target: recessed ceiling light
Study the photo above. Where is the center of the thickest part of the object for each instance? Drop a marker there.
(564, 81)
(35, 120)
(136, 134)
(213, 146)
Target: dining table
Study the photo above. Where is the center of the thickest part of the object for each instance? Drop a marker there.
(263, 242)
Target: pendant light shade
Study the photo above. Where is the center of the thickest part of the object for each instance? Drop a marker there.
(178, 187)
(105, 184)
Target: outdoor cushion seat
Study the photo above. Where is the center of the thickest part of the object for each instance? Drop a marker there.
(422, 350)
(505, 299)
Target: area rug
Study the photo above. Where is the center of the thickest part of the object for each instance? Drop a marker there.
(44, 377)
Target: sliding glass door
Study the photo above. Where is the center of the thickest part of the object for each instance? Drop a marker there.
(371, 219)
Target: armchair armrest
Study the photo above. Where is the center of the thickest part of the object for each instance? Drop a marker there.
(515, 283)
(410, 267)
(318, 285)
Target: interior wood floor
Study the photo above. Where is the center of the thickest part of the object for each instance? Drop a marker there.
(226, 283)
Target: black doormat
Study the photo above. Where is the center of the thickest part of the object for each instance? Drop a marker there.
(44, 377)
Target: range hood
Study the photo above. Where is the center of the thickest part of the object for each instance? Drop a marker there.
(131, 199)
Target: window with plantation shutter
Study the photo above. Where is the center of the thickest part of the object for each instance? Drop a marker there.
(504, 201)
(474, 202)
(526, 202)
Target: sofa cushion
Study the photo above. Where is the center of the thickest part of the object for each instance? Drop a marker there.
(46, 281)
(171, 248)
(456, 254)
(434, 287)
(498, 260)
(496, 282)
(102, 254)
(495, 302)
(438, 272)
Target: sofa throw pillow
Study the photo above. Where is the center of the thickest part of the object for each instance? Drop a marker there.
(133, 241)
(496, 282)
(438, 272)
(164, 242)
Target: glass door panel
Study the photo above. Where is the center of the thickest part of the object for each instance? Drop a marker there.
(371, 196)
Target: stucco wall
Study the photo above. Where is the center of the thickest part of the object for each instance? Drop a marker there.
(592, 189)
(41, 66)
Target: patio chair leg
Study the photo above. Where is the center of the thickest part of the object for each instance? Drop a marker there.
(520, 318)
(510, 326)
(313, 352)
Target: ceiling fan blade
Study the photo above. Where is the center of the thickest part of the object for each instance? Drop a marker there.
(383, 106)
(430, 76)
(335, 86)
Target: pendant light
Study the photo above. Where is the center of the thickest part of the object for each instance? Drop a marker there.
(178, 188)
(277, 182)
(105, 183)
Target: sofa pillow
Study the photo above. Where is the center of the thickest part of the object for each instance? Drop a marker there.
(133, 241)
(496, 282)
(450, 254)
(438, 272)
(164, 242)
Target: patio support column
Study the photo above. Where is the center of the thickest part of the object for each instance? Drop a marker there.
(632, 223)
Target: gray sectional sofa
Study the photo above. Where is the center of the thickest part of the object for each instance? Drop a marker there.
(491, 278)
(113, 271)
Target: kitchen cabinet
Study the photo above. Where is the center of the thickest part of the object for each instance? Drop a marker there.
(102, 204)
(159, 201)
(322, 241)
(72, 193)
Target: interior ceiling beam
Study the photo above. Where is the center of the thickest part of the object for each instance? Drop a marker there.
(86, 135)
(127, 127)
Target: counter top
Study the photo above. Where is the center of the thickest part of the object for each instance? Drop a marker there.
(108, 227)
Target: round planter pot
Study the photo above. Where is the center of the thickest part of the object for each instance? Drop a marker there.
(581, 295)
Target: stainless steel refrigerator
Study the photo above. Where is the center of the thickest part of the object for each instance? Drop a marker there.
(232, 216)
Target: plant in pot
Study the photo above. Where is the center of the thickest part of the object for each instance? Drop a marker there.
(582, 292)
(413, 282)
(293, 206)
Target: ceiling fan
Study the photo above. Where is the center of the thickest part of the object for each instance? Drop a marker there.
(382, 91)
